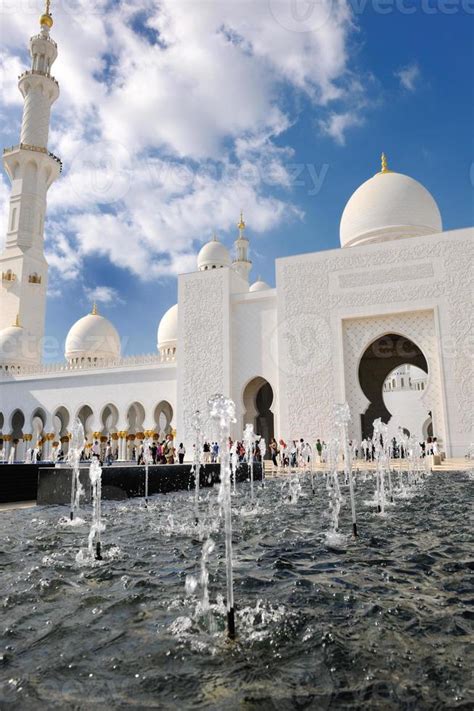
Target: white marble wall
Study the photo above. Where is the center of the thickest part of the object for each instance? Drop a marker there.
(254, 351)
(317, 293)
(203, 344)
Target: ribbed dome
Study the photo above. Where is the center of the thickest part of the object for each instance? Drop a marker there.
(92, 338)
(167, 336)
(15, 347)
(213, 255)
(389, 206)
(259, 285)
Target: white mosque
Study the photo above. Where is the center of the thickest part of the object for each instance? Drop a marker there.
(397, 294)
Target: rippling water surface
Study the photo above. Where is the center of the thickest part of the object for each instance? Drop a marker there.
(384, 622)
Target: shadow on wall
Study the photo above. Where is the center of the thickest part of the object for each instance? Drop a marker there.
(378, 361)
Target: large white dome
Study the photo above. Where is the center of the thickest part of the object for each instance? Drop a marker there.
(15, 347)
(92, 338)
(213, 255)
(167, 335)
(389, 206)
(259, 285)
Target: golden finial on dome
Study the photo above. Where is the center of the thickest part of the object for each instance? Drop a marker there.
(46, 18)
(241, 223)
(94, 311)
(385, 168)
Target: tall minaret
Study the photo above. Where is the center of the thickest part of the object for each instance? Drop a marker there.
(242, 264)
(32, 169)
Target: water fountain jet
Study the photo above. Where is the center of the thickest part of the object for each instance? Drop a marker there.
(262, 448)
(74, 457)
(148, 459)
(249, 442)
(222, 410)
(342, 418)
(95, 476)
(196, 424)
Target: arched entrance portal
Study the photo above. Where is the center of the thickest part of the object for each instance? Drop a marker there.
(258, 399)
(379, 360)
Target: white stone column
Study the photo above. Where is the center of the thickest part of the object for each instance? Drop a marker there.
(65, 445)
(20, 450)
(122, 444)
(131, 443)
(6, 446)
(27, 438)
(48, 440)
(115, 442)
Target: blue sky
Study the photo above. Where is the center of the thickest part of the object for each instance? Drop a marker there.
(188, 112)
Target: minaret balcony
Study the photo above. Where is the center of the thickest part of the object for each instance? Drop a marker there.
(36, 149)
(43, 38)
(31, 79)
(36, 72)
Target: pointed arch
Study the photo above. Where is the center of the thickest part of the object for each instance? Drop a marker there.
(383, 355)
(163, 416)
(258, 398)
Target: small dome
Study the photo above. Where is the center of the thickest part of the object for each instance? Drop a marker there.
(92, 338)
(15, 347)
(389, 206)
(167, 336)
(213, 255)
(259, 285)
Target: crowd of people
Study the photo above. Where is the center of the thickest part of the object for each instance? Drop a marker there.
(296, 453)
(428, 447)
(156, 452)
(300, 453)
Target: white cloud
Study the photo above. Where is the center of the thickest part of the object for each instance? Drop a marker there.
(336, 125)
(53, 292)
(409, 76)
(104, 295)
(62, 257)
(166, 129)
(10, 69)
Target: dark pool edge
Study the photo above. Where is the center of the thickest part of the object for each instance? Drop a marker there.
(120, 483)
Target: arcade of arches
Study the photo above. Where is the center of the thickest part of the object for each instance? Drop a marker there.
(379, 360)
(48, 432)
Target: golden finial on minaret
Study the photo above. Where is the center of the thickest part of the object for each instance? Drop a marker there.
(46, 18)
(241, 223)
(385, 168)
(94, 311)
